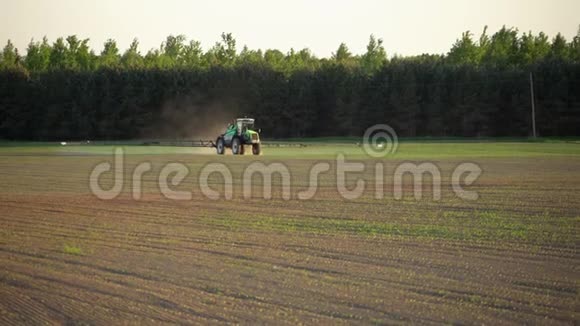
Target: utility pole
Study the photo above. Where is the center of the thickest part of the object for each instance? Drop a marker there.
(533, 104)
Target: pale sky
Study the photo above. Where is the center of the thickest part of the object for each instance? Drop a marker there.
(407, 27)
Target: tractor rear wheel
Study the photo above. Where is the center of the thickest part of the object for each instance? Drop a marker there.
(220, 146)
(237, 147)
(256, 149)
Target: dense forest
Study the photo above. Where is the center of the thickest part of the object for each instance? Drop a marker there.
(481, 87)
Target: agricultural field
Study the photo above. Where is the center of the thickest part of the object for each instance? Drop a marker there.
(511, 256)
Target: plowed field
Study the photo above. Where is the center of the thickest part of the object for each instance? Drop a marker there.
(509, 257)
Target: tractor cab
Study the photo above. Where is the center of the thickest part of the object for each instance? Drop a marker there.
(245, 124)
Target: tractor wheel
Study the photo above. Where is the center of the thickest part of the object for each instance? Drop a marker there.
(220, 146)
(256, 149)
(237, 147)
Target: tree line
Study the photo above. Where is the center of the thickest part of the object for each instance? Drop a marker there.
(481, 87)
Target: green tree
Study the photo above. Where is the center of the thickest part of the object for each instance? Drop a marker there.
(223, 53)
(375, 57)
(342, 54)
(73, 45)
(301, 60)
(173, 49)
(533, 48)
(465, 51)
(275, 59)
(110, 57)
(58, 55)
(152, 59)
(83, 57)
(38, 56)
(503, 48)
(229, 47)
(250, 57)
(132, 59)
(9, 57)
(575, 47)
(192, 55)
(560, 49)
(484, 43)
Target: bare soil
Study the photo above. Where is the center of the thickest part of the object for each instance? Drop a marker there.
(69, 257)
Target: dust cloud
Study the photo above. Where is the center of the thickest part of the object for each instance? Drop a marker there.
(190, 118)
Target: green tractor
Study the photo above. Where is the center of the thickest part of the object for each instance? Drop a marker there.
(237, 135)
